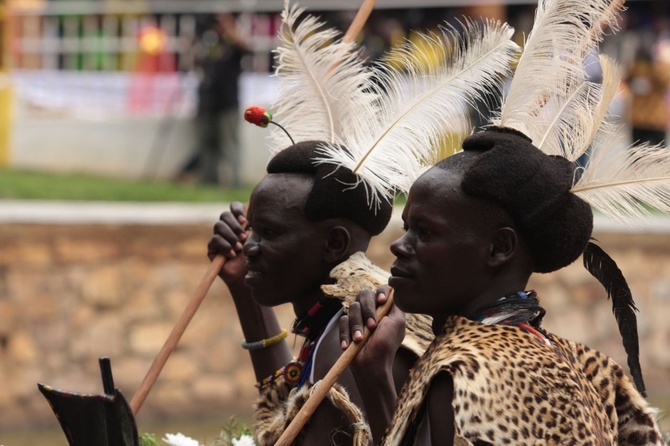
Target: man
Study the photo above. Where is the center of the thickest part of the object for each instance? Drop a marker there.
(478, 224)
(304, 220)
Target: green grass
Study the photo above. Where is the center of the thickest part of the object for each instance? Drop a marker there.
(33, 185)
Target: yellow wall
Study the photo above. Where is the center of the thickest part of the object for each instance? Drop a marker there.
(5, 89)
(5, 122)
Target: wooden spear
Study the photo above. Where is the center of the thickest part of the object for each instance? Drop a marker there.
(359, 20)
(214, 268)
(176, 333)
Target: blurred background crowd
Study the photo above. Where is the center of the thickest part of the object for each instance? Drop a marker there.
(155, 88)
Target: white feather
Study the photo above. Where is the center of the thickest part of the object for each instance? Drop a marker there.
(621, 182)
(321, 81)
(628, 182)
(563, 32)
(572, 120)
(611, 80)
(566, 120)
(389, 150)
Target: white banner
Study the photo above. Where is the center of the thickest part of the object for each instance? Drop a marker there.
(105, 95)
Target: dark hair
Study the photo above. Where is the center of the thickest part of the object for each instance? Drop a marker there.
(336, 193)
(534, 188)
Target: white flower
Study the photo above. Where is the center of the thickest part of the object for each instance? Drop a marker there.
(244, 440)
(179, 439)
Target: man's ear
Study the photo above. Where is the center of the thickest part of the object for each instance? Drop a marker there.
(503, 246)
(337, 243)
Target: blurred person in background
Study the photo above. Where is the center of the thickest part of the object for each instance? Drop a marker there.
(648, 77)
(220, 52)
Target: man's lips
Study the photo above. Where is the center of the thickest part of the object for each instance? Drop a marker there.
(253, 271)
(399, 272)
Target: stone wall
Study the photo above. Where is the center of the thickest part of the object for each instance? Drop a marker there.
(72, 293)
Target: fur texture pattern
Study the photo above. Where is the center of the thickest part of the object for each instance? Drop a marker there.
(511, 388)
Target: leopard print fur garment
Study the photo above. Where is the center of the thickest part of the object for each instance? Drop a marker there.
(276, 405)
(512, 388)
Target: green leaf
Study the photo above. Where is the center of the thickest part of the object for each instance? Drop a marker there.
(148, 439)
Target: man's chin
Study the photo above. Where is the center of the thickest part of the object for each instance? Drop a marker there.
(402, 289)
(266, 299)
(404, 299)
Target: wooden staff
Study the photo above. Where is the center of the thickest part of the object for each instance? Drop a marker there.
(214, 268)
(359, 20)
(176, 333)
(321, 390)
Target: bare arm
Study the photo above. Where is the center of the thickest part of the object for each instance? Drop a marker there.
(440, 411)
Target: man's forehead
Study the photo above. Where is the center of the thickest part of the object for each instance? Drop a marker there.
(283, 191)
(288, 179)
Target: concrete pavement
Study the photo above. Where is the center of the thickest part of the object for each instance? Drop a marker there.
(78, 212)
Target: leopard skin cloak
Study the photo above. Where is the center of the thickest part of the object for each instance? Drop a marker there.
(510, 387)
(278, 404)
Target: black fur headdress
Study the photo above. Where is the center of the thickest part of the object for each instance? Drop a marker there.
(534, 188)
(332, 194)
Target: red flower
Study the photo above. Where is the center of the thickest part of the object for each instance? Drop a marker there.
(258, 115)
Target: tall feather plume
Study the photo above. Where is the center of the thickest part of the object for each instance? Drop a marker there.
(424, 104)
(625, 183)
(601, 125)
(566, 115)
(567, 120)
(321, 84)
(563, 32)
(622, 183)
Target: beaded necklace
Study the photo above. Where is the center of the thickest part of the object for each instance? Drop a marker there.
(521, 309)
(311, 325)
